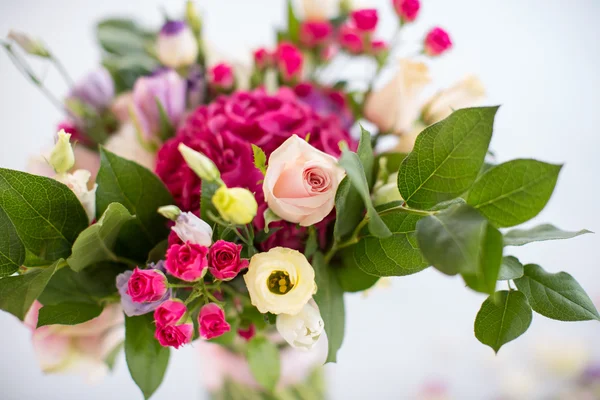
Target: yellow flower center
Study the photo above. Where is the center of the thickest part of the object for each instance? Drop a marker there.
(279, 282)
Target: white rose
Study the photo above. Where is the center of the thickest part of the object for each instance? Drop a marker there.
(467, 93)
(192, 229)
(78, 183)
(303, 330)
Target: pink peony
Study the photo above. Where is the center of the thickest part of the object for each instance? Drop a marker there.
(211, 321)
(289, 62)
(146, 285)
(351, 39)
(437, 42)
(187, 262)
(407, 10)
(365, 20)
(174, 335)
(169, 312)
(221, 77)
(224, 260)
(315, 33)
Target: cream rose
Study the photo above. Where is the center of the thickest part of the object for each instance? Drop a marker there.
(301, 182)
(280, 281)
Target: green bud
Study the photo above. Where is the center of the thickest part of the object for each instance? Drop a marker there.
(200, 164)
(193, 18)
(170, 212)
(386, 191)
(28, 44)
(62, 158)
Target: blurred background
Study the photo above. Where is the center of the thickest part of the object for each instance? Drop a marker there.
(414, 339)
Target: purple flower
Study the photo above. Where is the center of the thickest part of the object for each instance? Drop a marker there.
(172, 27)
(132, 308)
(96, 89)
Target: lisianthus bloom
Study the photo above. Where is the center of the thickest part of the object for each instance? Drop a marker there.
(280, 281)
(221, 77)
(289, 62)
(96, 89)
(187, 262)
(176, 45)
(192, 229)
(146, 285)
(174, 335)
(62, 157)
(302, 330)
(365, 20)
(211, 321)
(437, 42)
(235, 205)
(315, 33)
(351, 39)
(78, 182)
(169, 312)
(407, 10)
(224, 260)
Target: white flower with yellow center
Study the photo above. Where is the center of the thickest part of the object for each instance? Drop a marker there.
(280, 280)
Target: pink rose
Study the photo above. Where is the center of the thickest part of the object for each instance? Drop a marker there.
(247, 333)
(224, 260)
(146, 285)
(169, 312)
(221, 77)
(187, 262)
(289, 62)
(407, 10)
(301, 182)
(437, 42)
(365, 20)
(262, 58)
(378, 47)
(351, 39)
(174, 335)
(315, 33)
(211, 321)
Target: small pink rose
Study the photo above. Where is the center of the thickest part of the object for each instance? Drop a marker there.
(378, 47)
(351, 39)
(315, 33)
(407, 10)
(437, 42)
(247, 333)
(365, 20)
(174, 335)
(289, 62)
(146, 285)
(301, 182)
(262, 58)
(211, 321)
(221, 76)
(169, 312)
(187, 262)
(224, 260)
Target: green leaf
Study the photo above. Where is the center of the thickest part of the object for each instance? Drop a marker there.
(293, 23)
(206, 206)
(125, 70)
(447, 157)
(460, 240)
(95, 244)
(158, 252)
(514, 192)
(540, 233)
(330, 299)
(142, 193)
(146, 359)
(557, 296)
(260, 159)
(68, 313)
(12, 250)
(167, 130)
(351, 277)
(123, 36)
(46, 215)
(503, 317)
(269, 217)
(263, 358)
(397, 255)
(17, 293)
(510, 269)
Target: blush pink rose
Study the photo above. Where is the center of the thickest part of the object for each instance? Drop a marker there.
(407, 10)
(174, 335)
(437, 42)
(211, 321)
(224, 260)
(315, 33)
(169, 312)
(301, 182)
(187, 262)
(365, 20)
(146, 285)
(289, 62)
(221, 76)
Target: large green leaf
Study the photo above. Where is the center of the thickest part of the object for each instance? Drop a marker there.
(293, 23)
(125, 70)
(123, 36)
(330, 299)
(397, 255)
(17, 293)
(447, 157)
(514, 192)
(68, 313)
(511, 268)
(12, 250)
(540, 233)
(263, 359)
(142, 193)
(95, 244)
(46, 215)
(503, 317)
(557, 296)
(146, 359)
(351, 277)
(460, 240)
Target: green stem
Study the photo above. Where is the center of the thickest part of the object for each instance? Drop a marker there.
(127, 261)
(62, 70)
(179, 285)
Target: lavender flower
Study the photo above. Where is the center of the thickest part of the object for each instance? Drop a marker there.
(96, 89)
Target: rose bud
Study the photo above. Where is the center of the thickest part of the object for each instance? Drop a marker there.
(407, 10)
(224, 260)
(221, 78)
(351, 40)
(365, 20)
(193, 230)
(96, 90)
(301, 182)
(302, 330)
(200, 164)
(263, 59)
(289, 62)
(146, 285)
(315, 33)
(62, 157)
(176, 45)
(187, 262)
(437, 42)
(211, 321)
(235, 205)
(174, 335)
(169, 312)
(247, 333)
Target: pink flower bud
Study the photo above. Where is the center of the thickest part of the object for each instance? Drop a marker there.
(351, 39)
(187, 262)
(224, 260)
(211, 321)
(315, 33)
(263, 59)
(221, 77)
(365, 20)
(169, 312)
(407, 10)
(289, 62)
(437, 42)
(146, 285)
(328, 52)
(378, 47)
(174, 335)
(247, 333)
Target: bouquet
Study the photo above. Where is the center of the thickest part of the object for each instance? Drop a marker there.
(188, 198)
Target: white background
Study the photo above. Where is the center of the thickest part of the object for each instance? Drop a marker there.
(538, 58)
